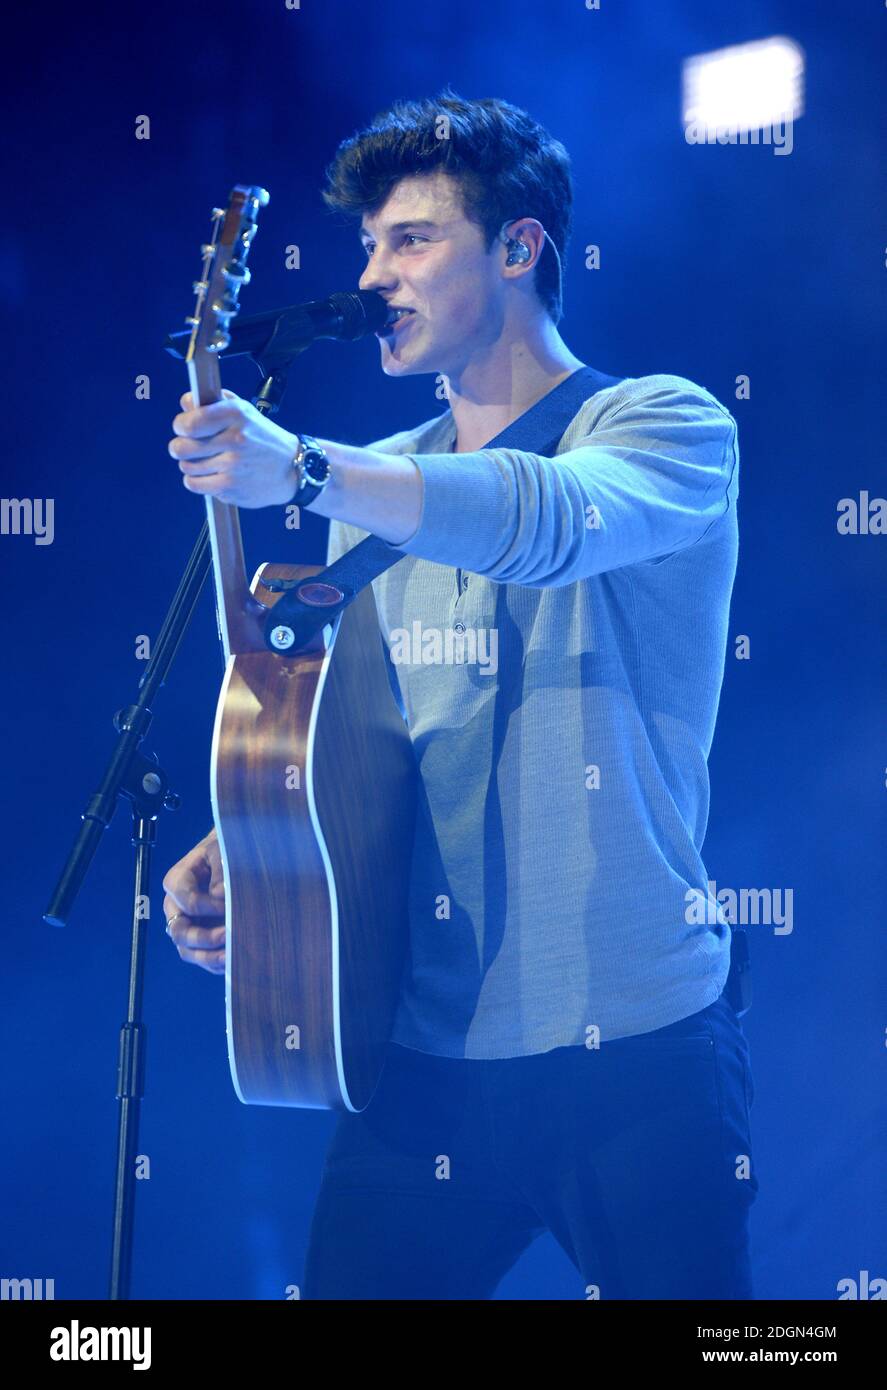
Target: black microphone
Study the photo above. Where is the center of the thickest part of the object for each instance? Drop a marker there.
(282, 334)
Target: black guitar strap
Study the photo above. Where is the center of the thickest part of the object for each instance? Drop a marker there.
(308, 605)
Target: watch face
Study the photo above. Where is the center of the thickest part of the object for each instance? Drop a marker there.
(316, 465)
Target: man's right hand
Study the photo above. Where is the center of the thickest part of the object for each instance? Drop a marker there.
(194, 906)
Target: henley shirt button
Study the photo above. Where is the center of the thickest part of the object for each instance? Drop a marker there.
(458, 627)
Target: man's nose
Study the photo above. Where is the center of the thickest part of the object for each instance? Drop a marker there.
(377, 275)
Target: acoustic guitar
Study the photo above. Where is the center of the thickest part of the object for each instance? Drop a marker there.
(313, 788)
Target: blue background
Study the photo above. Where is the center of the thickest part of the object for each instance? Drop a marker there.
(716, 261)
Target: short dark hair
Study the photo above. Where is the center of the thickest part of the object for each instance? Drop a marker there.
(507, 165)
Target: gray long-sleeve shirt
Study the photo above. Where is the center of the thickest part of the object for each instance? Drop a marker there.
(558, 627)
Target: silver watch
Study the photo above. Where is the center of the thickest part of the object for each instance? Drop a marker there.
(312, 468)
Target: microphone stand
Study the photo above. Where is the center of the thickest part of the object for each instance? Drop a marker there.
(141, 779)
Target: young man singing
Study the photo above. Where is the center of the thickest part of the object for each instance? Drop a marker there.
(563, 1054)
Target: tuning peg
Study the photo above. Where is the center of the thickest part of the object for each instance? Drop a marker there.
(200, 286)
(208, 249)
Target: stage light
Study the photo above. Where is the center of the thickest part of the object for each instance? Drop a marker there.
(748, 87)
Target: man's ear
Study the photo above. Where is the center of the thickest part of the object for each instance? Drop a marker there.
(529, 232)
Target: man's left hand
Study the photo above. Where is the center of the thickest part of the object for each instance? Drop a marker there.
(231, 451)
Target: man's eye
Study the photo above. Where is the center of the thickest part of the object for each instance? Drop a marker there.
(370, 246)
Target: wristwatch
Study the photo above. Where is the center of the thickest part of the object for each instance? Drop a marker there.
(312, 470)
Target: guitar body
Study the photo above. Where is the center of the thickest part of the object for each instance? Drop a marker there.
(313, 786)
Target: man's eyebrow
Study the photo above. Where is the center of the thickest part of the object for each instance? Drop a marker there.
(400, 226)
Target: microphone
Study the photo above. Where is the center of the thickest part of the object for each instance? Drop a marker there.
(284, 333)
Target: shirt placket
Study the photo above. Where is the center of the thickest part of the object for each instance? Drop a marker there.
(459, 601)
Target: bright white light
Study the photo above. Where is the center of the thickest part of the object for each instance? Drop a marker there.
(744, 88)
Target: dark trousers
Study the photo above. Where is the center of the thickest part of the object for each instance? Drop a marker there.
(636, 1156)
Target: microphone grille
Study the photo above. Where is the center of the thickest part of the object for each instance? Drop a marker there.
(360, 312)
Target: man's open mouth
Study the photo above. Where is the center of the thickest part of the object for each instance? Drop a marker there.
(396, 318)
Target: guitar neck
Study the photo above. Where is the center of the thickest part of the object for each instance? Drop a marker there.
(224, 271)
(234, 603)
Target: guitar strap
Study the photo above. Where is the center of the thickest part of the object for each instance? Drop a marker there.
(306, 606)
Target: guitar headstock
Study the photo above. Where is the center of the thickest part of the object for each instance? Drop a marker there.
(224, 271)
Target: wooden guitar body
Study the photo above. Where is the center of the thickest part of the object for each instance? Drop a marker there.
(313, 785)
